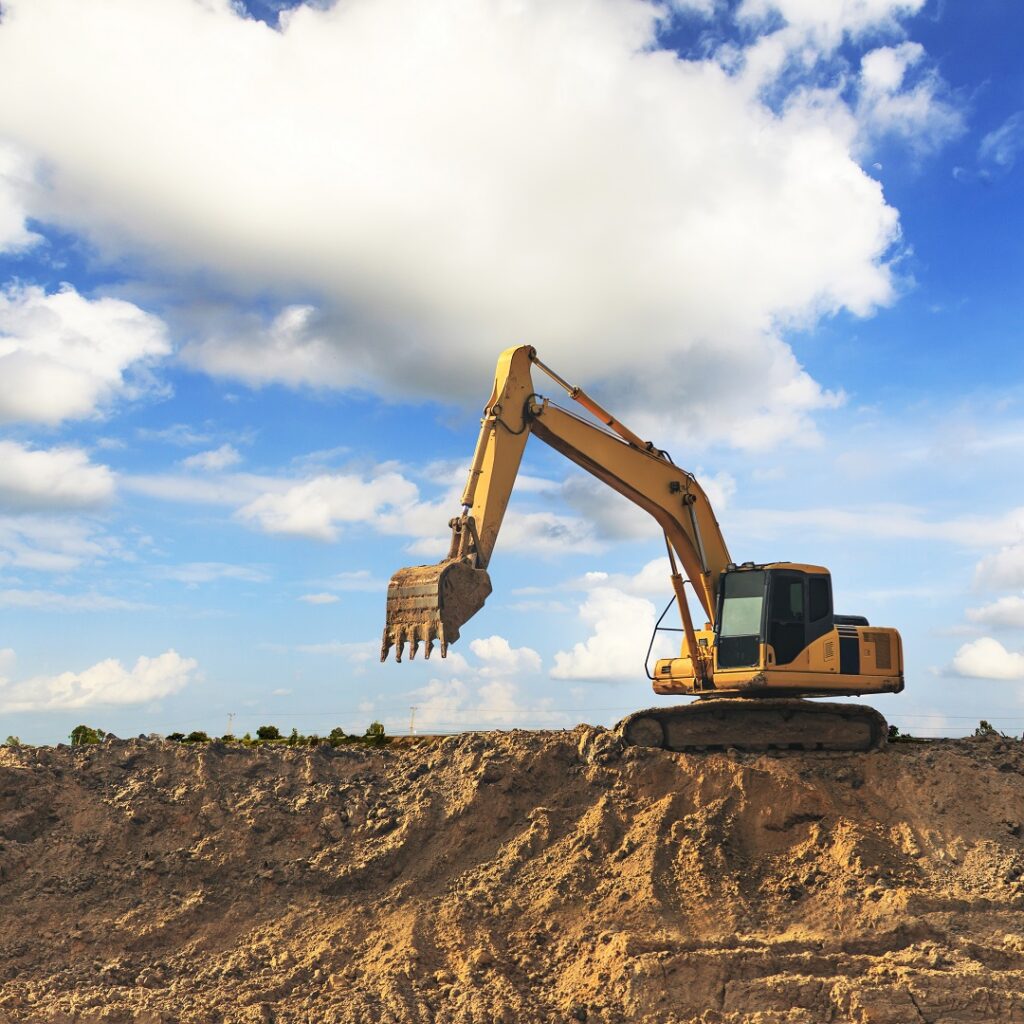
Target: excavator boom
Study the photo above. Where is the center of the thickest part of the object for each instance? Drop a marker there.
(430, 603)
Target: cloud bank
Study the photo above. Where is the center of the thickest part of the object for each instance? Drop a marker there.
(986, 658)
(64, 356)
(53, 479)
(107, 682)
(448, 178)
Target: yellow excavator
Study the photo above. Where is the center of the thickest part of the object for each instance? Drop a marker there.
(770, 637)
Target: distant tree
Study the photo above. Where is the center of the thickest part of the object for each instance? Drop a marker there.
(177, 737)
(375, 733)
(247, 738)
(337, 736)
(268, 732)
(197, 736)
(227, 738)
(313, 740)
(12, 741)
(294, 739)
(986, 729)
(82, 735)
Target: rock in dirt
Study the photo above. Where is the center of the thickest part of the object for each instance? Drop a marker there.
(522, 876)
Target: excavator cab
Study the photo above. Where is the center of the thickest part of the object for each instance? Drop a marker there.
(776, 632)
(769, 615)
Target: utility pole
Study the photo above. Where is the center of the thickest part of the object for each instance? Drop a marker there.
(412, 720)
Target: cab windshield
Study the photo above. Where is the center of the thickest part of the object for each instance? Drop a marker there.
(742, 603)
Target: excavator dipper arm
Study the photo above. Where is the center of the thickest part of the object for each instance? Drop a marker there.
(430, 603)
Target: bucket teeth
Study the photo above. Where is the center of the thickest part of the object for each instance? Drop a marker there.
(427, 604)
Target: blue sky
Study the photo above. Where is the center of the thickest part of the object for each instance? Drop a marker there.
(257, 263)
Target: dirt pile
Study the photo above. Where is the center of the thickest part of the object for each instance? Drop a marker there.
(511, 877)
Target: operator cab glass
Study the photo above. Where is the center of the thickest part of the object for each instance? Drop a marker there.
(741, 619)
(785, 608)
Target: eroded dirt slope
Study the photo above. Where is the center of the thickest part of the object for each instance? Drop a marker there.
(511, 877)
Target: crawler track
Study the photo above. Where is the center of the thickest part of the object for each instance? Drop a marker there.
(756, 724)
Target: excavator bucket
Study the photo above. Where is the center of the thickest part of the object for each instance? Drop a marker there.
(429, 604)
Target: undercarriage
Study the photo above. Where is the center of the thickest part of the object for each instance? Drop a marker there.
(754, 724)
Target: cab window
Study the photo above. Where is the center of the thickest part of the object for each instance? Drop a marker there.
(787, 624)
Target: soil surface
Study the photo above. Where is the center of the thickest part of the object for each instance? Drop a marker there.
(511, 877)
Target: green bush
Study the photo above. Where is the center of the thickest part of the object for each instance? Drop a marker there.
(197, 736)
(12, 741)
(268, 732)
(177, 737)
(82, 735)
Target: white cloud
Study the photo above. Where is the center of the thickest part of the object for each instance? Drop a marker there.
(986, 658)
(890, 521)
(215, 459)
(194, 573)
(826, 22)
(295, 348)
(887, 106)
(15, 177)
(1002, 571)
(621, 626)
(356, 579)
(802, 38)
(229, 489)
(636, 195)
(48, 544)
(356, 653)
(446, 705)
(547, 533)
(51, 600)
(320, 598)
(177, 434)
(653, 579)
(542, 534)
(614, 517)
(502, 660)
(1001, 146)
(63, 356)
(315, 508)
(1007, 612)
(56, 478)
(381, 498)
(719, 487)
(107, 682)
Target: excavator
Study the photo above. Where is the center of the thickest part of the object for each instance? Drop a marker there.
(770, 638)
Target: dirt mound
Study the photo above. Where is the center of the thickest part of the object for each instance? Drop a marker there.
(511, 877)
